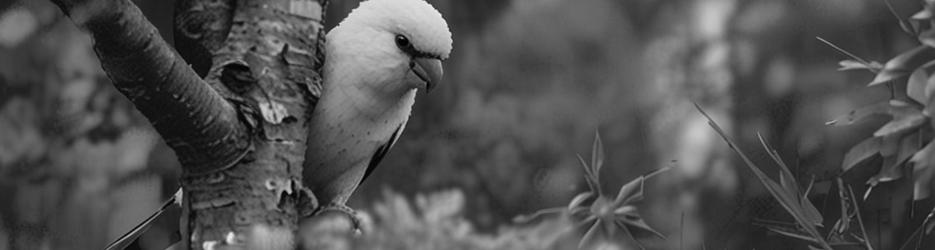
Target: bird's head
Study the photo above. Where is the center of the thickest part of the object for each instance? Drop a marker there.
(395, 45)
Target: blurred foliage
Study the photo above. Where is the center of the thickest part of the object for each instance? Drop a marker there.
(526, 86)
(904, 142)
(604, 214)
(73, 152)
(432, 221)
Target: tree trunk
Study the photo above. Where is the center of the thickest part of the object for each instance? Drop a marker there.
(240, 131)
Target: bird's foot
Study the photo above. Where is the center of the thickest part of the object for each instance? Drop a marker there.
(344, 209)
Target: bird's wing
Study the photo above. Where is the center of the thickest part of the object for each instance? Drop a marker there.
(383, 149)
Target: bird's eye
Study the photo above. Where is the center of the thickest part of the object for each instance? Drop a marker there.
(403, 42)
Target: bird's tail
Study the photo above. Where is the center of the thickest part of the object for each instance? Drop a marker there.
(131, 236)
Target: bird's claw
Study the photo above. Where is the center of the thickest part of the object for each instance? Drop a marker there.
(344, 209)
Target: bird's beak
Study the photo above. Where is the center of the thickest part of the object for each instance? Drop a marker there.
(427, 69)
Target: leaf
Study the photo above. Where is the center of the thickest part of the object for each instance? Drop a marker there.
(923, 172)
(637, 223)
(903, 64)
(580, 198)
(889, 145)
(787, 201)
(880, 108)
(918, 87)
(590, 178)
(630, 192)
(860, 152)
(527, 218)
(929, 86)
(792, 234)
(902, 23)
(927, 38)
(872, 66)
(889, 172)
(844, 222)
(892, 164)
(589, 235)
(856, 213)
(901, 125)
(597, 155)
(791, 188)
(905, 117)
(785, 177)
(929, 225)
(633, 191)
(922, 15)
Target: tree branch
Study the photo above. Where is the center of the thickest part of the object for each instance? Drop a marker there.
(192, 117)
(240, 133)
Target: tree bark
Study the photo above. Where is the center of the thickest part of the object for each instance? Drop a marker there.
(240, 132)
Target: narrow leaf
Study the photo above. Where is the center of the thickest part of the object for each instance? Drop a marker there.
(860, 152)
(918, 81)
(775, 189)
(527, 218)
(923, 172)
(927, 38)
(785, 177)
(929, 224)
(880, 108)
(901, 124)
(627, 210)
(902, 23)
(922, 15)
(638, 224)
(874, 68)
(589, 235)
(578, 210)
(791, 187)
(597, 154)
(860, 221)
(580, 198)
(632, 191)
(792, 234)
(590, 178)
(845, 221)
(929, 85)
(892, 165)
(903, 64)
(906, 116)
(811, 212)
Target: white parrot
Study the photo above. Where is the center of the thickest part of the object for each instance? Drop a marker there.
(375, 61)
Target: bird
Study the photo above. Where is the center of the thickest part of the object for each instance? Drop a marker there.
(376, 60)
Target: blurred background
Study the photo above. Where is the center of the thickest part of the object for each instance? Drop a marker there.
(528, 84)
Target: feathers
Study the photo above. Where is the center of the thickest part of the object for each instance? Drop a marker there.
(416, 19)
(376, 60)
(383, 149)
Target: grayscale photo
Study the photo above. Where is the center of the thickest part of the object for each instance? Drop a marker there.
(467, 125)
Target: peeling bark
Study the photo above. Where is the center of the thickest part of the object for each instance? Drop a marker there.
(268, 63)
(200, 28)
(240, 132)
